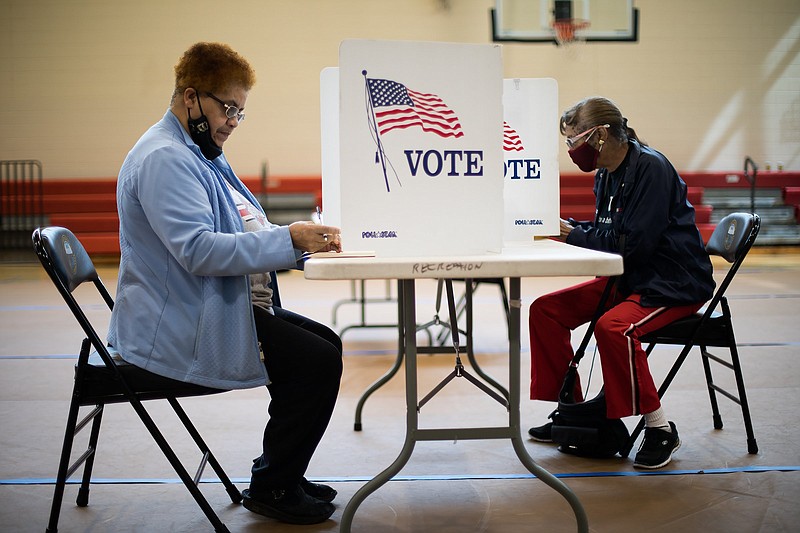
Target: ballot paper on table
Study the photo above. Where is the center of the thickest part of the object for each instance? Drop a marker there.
(342, 254)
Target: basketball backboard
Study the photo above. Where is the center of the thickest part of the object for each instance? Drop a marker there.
(536, 20)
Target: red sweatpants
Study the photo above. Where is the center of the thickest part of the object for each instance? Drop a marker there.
(629, 387)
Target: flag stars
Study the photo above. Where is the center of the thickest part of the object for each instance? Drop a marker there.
(387, 93)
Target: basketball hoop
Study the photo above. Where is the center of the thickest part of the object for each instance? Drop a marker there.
(565, 30)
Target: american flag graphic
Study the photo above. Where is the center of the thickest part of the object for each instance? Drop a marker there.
(511, 141)
(396, 107)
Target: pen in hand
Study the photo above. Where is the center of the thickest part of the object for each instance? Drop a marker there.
(331, 239)
(316, 217)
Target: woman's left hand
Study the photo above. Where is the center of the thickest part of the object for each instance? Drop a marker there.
(564, 229)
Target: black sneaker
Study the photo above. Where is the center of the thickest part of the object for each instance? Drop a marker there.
(323, 493)
(657, 447)
(542, 433)
(292, 506)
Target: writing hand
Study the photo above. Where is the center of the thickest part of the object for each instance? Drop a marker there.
(311, 237)
(564, 229)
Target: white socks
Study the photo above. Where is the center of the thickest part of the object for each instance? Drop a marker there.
(657, 419)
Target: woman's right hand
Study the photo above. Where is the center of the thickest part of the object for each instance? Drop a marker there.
(311, 237)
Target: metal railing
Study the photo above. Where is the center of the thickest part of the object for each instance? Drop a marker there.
(748, 162)
(21, 202)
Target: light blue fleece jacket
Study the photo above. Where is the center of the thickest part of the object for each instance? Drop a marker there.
(183, 307)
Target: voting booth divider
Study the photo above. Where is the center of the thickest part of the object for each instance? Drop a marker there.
(426, 150)
(530, 167)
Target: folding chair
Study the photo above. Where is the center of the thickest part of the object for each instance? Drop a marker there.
(113, 381)
(731, 240)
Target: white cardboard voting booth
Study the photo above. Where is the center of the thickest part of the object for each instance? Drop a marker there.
(420, 147)
(413, 156)
(530, 146)
(329, 126)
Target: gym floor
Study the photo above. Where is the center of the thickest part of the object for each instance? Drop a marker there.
(712, 484)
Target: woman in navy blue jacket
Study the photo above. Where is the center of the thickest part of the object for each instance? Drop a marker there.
(643, 214)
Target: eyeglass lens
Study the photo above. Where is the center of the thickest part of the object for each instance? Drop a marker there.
(231, 111)
(571, 141)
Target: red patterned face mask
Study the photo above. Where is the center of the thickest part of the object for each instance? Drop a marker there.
(585, 156)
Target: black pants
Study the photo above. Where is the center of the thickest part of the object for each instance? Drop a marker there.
(304, 361)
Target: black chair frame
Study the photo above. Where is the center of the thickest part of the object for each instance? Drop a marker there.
(732, 240)
(69, 266)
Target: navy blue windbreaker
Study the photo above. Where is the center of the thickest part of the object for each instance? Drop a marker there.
(653, 226)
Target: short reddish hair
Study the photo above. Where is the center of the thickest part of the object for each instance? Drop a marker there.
(212, 67)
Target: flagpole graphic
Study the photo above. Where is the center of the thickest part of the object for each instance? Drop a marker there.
(380, 155)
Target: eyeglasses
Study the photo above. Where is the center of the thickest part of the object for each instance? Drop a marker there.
(231, 111)
(572, 141)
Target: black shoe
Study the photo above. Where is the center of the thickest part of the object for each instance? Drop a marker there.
(323, 493)
(292, 506)
(657, 447)
(542, 433)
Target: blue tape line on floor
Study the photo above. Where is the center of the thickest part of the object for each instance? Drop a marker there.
(393, 351)
(14, 308)
(443, 477)
(51, 356)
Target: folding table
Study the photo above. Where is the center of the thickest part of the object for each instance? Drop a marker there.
(541, 258)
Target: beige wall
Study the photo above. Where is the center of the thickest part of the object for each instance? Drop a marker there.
(708, 83)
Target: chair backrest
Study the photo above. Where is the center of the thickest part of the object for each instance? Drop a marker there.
(69, 266)
(65, 259)
(734, 235)
(732, 239)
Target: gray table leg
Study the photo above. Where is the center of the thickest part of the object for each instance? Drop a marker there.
(468, 292)
(406, 296)
(514, 415)
(357, 426)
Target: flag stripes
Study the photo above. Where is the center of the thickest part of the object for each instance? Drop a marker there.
(511, 141)
(397, 107)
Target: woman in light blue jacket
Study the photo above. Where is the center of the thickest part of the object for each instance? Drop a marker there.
(194, 300)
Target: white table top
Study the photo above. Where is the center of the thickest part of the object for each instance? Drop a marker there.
(544, 257)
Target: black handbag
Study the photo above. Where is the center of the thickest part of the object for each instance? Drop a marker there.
(582, 428)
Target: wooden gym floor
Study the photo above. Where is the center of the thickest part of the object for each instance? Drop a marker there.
(712, 485)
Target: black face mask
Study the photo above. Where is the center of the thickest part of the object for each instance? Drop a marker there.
(200, 132)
